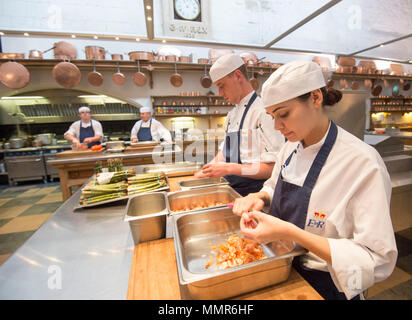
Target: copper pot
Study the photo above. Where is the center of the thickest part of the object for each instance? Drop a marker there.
(171, 58)
(249, 58)
(265, 64)
(14, 75)
(141, 55)
(116, 56)
(176, 79)
(253, 81)
(376, 90)
(11, 55)
(35, 54)
(95, 53)
(67, 74)
(139, 78)
(64, 50)
(95, 78)
(346, 62)
(205, 80)
(202, 61)
(118, 77)
(184, 59)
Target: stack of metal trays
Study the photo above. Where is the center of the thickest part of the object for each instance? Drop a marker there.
(202, 183)
(195, 233)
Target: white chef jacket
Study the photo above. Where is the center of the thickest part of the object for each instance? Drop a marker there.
(157, 130)
(74, 128)
(259, 141)
(353, 192)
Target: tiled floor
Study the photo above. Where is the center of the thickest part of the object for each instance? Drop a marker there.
(23, 209)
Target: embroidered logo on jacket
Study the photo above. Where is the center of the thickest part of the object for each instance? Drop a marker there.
(318, 220)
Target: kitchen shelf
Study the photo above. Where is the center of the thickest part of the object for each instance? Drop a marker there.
(391, 104)
(170, 66)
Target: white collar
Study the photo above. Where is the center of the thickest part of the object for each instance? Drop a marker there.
(243, 102)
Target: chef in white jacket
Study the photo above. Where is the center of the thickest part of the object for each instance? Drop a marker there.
(149, 129)
(247, 155)
(329, 191)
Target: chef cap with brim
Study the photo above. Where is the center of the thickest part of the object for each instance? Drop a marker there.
(84, 109)
(292, 80)
(225, 65)
(145, 109)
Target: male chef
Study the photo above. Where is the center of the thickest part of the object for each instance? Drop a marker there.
(149, 129)
(247, 155)
(85, 130)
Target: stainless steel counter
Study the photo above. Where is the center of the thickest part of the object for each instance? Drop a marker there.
(87, 252)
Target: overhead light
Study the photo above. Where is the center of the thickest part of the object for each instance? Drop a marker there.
(26, 34)
(1, 33)
(73, 36)
(117, 38)
(96, 37)
(410, 61)
(92, 96)
(164, 41)
(21, 97)
(381, 45)
(137, 39)
(149, 18)
(148, 7)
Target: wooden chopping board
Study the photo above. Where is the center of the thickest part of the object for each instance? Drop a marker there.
(77, 153)
(139, 149)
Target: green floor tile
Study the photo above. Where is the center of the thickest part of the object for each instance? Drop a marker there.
(42, 208)
(10, 242)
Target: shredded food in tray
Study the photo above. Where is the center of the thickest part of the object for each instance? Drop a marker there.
(235, 252)
(196, 205)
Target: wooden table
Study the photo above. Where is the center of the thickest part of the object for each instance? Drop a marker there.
(153, 274)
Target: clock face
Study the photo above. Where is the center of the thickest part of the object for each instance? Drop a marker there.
(187, 9)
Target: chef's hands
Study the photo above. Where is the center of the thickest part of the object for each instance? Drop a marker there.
(88, 140)
(200, 174)
(76, 143)
(216, 170)
(134, 140)
(264, 228)
(248, 203)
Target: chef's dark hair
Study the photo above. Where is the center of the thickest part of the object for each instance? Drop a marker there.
(242, 69)
(330, 95)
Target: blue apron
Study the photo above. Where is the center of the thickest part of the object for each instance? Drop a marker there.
(87, 133)
(231, 152)
(144, 134)
(290, 203)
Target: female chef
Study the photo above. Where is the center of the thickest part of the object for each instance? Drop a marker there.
(329, 191)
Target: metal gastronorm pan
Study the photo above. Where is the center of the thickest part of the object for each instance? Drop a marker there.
(202, 183)
(146, 214)
(171, 169)
(193, 235)
(179, 200)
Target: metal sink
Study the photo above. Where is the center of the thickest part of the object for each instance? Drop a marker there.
(193, 235)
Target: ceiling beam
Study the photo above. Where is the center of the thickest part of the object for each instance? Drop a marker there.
(327, 6)
(382, 44)
(149, 18)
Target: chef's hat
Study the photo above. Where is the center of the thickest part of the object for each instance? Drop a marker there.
(225, 65)
(290, 81)
(145, 109)
(84, 109)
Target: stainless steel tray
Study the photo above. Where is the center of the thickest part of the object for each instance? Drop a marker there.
(193, 233)
(199, 197)
(171, 169)
(202, 183)
(80, 206)
(146, 214)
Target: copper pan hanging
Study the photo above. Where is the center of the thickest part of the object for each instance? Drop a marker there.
(253, 81)
(176, 79)
(376, 90)
(67, 74)
(406, 86)
(14, 75)
(118, 77)
(139, 78)
(95, 78)
(205, 80)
